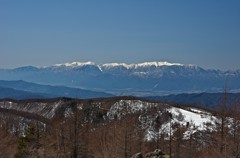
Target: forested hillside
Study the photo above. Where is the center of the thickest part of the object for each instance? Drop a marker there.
(116, 127)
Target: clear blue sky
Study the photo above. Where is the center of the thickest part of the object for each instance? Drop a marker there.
(46, 32)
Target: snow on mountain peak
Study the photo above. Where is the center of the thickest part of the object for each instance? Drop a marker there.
(107, 66)
(111, 65)
(145, 64)
(157, 64)
(75, 64)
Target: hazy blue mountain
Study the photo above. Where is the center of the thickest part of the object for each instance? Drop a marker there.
(18, 94)
(149, 78)
(200, 99)
(32, 90)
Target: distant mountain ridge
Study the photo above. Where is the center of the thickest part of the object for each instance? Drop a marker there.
(145, 64)
(20, 94)
(26, 90)
(143, 79)
(199, 99)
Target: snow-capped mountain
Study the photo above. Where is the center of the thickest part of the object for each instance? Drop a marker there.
(111, 65)
(140, 65)
(75, 64)
(148, 78)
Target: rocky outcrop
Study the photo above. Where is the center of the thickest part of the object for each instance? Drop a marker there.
(155, 154)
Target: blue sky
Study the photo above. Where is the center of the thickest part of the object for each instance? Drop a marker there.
(46, 32)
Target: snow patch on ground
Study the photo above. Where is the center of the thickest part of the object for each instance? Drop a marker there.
(196, 119)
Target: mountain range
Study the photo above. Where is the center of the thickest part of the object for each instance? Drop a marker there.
(122, 126)
(200, 99)
(143, 79)
(26, 90)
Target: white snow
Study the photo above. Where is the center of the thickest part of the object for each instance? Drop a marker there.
(199, 120)
(76, 64)
(157, 64)
(114, 65)
(140, 65)
(196, 118)
(99, 67)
